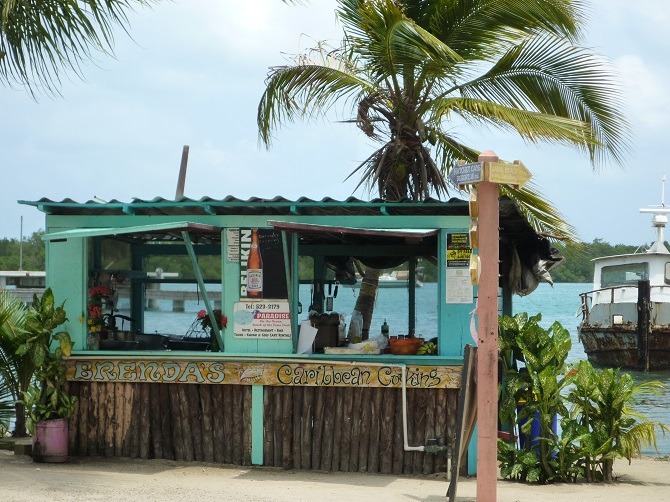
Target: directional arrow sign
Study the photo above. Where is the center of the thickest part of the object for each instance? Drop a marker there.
(505, 173)
(467, 174)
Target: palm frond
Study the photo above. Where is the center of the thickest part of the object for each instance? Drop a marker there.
(480, 29)
(548, 75)
(448, 150)
(42, 39)
(532, 126)
(540, 213)
(307, 89)
(392, 44)
(398, 172)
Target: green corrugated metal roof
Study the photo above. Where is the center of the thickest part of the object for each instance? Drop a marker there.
(253, 206)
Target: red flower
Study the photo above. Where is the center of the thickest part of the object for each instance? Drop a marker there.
(203, 318)
(94, 311)
(99, 291)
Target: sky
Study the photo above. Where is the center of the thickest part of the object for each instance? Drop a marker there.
(192, 73)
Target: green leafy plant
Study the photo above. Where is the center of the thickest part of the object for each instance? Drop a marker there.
(16, 371)
(532, 392)
(596, 409)
(47, 398)
(602, 404)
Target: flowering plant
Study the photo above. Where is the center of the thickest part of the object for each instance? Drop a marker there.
(203, 319)
(99, 292)
(95, 320)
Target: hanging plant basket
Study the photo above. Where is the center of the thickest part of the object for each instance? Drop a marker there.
(197, 337)
(197, 331)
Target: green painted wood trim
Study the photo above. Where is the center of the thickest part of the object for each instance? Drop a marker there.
(120, 230)
(203, 291)
(257, 424)
(472, 453)
(296, 290)
(84, 221)
(289, 278)
(453, 319)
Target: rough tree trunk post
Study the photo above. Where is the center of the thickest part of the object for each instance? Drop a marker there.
(20, 423)
(365, 303)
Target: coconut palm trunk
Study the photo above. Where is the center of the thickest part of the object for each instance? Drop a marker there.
(367, 294)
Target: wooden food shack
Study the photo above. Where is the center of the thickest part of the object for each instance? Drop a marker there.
(236, 385)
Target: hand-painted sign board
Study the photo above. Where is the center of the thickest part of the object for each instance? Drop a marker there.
(504, 173)
(309, 374)
(467, 174)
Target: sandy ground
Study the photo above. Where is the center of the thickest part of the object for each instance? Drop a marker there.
(92, 479)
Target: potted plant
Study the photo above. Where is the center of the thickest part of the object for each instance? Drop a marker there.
(49, 404)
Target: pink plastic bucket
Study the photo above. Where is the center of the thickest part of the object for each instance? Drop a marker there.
(50, 441)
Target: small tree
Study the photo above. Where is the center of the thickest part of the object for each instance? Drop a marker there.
(603, 407)
(534, 374)
(16, 370)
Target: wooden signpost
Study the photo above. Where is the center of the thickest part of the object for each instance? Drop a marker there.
(487, 174)
(503, 173)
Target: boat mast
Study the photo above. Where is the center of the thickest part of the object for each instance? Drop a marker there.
(658, 221)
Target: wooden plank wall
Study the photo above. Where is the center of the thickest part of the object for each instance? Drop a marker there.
(208, 423)
(318, 428)
(346, 429)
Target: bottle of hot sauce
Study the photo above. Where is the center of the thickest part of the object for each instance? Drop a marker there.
(255, 268)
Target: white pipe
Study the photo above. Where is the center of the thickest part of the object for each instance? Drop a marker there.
(404, 413)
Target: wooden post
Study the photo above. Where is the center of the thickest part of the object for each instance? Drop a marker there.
(487, 342)
(643, 322)
(181, 180)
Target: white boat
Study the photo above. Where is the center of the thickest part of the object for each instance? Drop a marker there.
(395, 279)
(626, 316)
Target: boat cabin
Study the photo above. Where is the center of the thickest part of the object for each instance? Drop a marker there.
(217, 329)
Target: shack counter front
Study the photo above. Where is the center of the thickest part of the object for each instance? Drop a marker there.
(234, 383)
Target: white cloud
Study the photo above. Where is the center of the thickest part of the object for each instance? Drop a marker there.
(647, 95)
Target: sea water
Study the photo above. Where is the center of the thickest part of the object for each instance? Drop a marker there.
(560, 302)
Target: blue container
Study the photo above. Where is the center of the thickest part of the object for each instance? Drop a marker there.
(534, 430)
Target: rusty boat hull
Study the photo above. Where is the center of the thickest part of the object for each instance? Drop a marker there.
(617, 346)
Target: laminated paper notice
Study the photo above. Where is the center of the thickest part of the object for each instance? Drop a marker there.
(459, 287)
(233, 244)
(270, 319)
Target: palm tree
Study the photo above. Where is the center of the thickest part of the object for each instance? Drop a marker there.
(16, 370)
(410, 72)
(40, 39)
